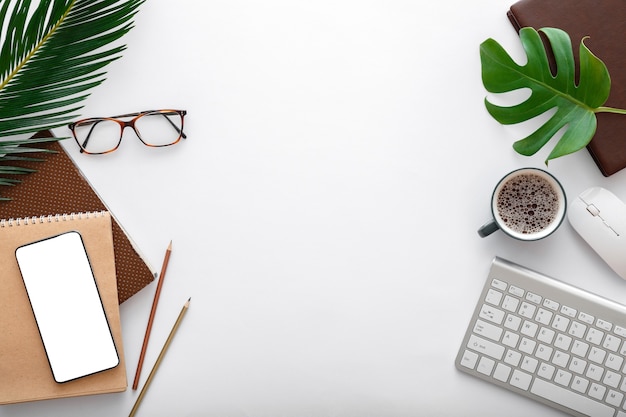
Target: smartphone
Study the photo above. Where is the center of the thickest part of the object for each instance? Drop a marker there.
(67, 306)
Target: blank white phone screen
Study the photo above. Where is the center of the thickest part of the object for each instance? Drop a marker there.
(67, 306)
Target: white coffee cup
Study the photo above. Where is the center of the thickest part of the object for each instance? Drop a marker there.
(526, 204)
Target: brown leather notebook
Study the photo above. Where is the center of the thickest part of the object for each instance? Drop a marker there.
(59, 187)
(604, 21)
(25, 373)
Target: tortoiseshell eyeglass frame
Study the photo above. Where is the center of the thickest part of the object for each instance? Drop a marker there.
(128, 123)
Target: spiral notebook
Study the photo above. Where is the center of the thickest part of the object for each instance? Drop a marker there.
(25, 373)
(59, 186)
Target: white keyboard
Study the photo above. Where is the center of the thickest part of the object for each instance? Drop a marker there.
(548, 341)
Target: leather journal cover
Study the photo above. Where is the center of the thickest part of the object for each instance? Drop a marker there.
(604, 22)
(25, 373)
(59, 186)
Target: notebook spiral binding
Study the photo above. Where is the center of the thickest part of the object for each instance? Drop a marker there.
(50, 218)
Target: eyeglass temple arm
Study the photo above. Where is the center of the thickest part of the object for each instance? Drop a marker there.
(84, 144)
(180, 132)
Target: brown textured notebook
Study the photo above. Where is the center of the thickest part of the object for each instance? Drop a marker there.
(25, 373)
(57, 187)
(604, 21)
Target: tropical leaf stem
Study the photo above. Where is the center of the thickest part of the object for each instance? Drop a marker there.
(610, 110)
(36, 48)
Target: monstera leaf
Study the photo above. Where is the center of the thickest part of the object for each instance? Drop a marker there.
(576, 103)
(51, 53)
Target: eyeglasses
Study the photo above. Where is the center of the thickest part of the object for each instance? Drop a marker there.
(155, 128)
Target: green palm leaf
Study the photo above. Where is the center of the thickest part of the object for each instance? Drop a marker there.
(51, 53)
(576, 102)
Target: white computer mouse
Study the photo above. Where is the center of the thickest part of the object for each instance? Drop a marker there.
(599, 216)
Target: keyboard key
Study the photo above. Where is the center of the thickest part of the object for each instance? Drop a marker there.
(563, 341)
(529, 328)
(510, 339)
(486, 347)
(563, 377)
(570, 399)
(513, 358)
(488, 330)
(543, 316)
(469, 359)
(594, 336)
(597, 355)
(546, 335)
(533, 298)
(544, 352)
(586, 318)
(552, 305)
(501, 285)
(580, 384)
(493, 297)
(527, 310)
(502, 372)
(604, 325)
(568, 311)
(611, 379)
(492, 314)
(620, 331)
(611, 343)
(529, 364)
(512, 322)
(520, 379)
(594, 372)
(577, 329)
(546, 371)
(615, 398)
(578, 365)
(597, 391)
(560, 323)
(560, 359)
(614, 362)
(527, 345)
(510, 303)
(485, 365)
(580, 348)
(516, 291)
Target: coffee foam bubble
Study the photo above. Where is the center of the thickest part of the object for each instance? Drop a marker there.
(527, 203)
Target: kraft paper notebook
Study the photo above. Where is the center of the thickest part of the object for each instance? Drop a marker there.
(25, 373)
(604, 21)
(59, 186)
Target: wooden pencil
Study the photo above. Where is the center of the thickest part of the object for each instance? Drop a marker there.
(160, 358)
(155, 302)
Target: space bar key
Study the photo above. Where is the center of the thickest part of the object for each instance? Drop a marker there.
(570, 399)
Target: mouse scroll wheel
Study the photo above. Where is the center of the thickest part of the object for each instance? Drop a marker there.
(593, 210)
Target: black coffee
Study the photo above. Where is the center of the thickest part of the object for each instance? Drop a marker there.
(527, 203)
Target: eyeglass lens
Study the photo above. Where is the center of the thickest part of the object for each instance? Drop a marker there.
(153, 128)
(159, 128)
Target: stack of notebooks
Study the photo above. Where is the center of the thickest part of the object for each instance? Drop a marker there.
(57, 199)
(59, 187)
(604, 22)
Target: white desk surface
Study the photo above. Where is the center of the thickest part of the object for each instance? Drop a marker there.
(323, 210)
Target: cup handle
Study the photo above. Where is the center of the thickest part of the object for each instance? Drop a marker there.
(488, 228)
